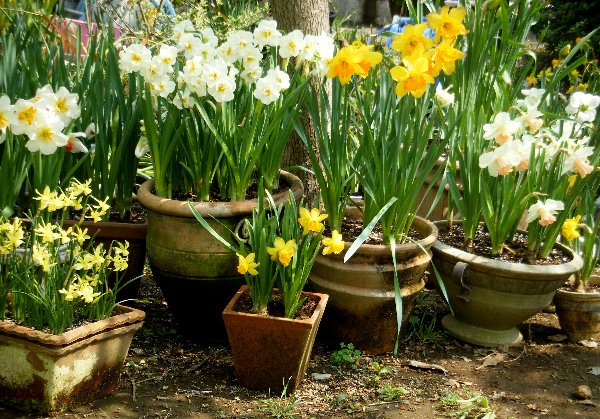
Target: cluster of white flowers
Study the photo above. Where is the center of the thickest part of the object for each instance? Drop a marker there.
(43, 118)
(516, 137)
(210, 68)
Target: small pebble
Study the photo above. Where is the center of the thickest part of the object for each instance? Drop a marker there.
(583, 392)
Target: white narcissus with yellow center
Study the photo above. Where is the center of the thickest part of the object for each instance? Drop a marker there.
(545, 211)
(501, 129)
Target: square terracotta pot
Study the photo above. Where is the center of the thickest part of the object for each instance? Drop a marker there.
(271, 352)
(48, 373)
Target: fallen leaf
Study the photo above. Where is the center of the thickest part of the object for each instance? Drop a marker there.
(453, 383)
(589, 343)
(320, 377)
(491, 360)
(558, 338)
(594, 371)
(464, 358)
(425, 366)
(586, 402)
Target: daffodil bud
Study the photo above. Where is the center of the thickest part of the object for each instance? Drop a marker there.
(490, 5)
(565, 51)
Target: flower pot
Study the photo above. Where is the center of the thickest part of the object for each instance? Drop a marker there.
(579, 313)
(196, 273)
(489, 298)
(361, 293)
(49, 373)
(271, 353)
(105, 232)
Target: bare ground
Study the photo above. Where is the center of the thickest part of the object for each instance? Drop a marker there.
(168, 376)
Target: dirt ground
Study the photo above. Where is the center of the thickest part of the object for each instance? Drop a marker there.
(168, 376)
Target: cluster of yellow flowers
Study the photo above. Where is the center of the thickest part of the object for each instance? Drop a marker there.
(283, 252)
(46, 237)
(422, 58)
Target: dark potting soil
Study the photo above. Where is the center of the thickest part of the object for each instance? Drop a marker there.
(215, 194)
(515, 251)
(275, 307)
(352, 227)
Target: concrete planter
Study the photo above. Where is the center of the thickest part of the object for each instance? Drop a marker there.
(579, 312)
(47, 373)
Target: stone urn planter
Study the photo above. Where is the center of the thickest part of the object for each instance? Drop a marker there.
(490, 298)
(47, 373)
(271, 353)
(362, 308)
(195, 272)
(579, 312)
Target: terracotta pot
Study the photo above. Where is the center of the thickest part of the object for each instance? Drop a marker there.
(427, 196)
(196, 273)
(270, 353)
(579, 313)
(361, 293)
(49, 373)
(105, 232)
(489, 298)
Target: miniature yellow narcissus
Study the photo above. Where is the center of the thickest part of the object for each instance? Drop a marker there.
(333, 244)
(247, 265)
(570, 228)
(283, 251)
(311, 220)
(410, 38)
(414, 76)
(448, 23)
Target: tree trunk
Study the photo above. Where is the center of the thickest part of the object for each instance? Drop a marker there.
(311, 17)
(369, 16)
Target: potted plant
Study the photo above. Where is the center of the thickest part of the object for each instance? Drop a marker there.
(516, 149)
(271, 331)
(63, 337)
(394, 142)
(578, 302)
(216, 119)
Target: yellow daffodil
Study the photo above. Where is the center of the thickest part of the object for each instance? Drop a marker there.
(87, 294)
(531, 80)
(42, 257)
(80, 235)
(570, 228)
(119, 263)
(247, 265)
(311, 220)
(414, 76)
(69, 294)
(411, 36)
(282, 251)
(98, 256)
(46, 198)
(344, 65)
(14, 234)
(448, 23)
(333, 244)
(368, 59)
(445, 57)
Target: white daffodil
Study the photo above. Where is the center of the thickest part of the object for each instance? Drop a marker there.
(6, 115)
(545, 211)
(242, 41)
(251, 75)
(90, 130)
(222, 90)
(44, 97)
(64, 104)
(266, 33)
(155, 71)
(74, 144)
(184, 99)
(502, 160)
(583, 106)
(134, 58)
(228, 52)
(266, 90)
(578, 162)
(163, 87)
(280, 77)
(501, 129)
(142, 147)
(443, 95)
(208, 37)
(24, 117)
(167, 55)
(310, 48)
(531, 120)
(325, 47)
(189, 45)
(252, 58)
(214, 71)
(46, 134)
(532, 98)
(291, 45)
(182, 28)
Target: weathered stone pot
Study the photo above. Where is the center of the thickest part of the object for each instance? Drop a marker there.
(271, 353)
(579, 312)
(361, 293)
(196, 273)
(48, 373)
(490, 298)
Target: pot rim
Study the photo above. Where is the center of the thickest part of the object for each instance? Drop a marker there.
(323, 298)
(123, 316)
(177, 208)
(430, 229)
(485, 264)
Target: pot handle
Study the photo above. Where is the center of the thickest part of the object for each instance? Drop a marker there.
(458, 275)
